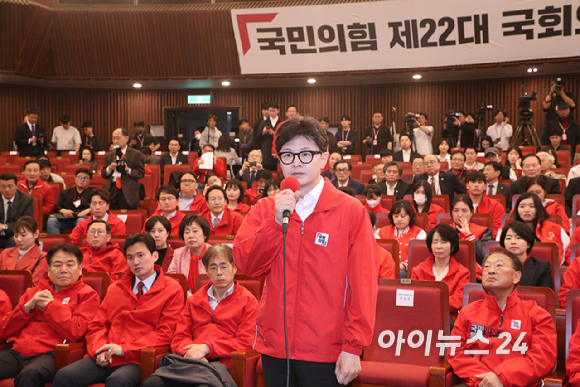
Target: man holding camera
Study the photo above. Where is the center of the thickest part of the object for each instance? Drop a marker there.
(423, 135)
(570, 128)
(556, 97)
(377, 136)
(123, 167)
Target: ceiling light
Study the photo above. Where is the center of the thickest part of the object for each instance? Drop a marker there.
(137, 85)
(535, 69)
(226, 83)
(312, 80)
(417, 76)
(530, 70)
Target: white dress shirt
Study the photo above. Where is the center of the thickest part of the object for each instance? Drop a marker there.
(306, 205)
(147, 283)
(436, 180)
(213, 302)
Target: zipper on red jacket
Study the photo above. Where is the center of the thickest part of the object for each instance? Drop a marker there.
(500, 320)
(302, 228)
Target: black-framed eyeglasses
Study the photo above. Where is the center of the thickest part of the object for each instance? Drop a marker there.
(305, 157)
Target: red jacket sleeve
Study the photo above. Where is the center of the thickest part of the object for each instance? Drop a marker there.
(75, 235)
(119, 228)
(119, 265)
(47, 200)
(573, 361)
(73, 326)
(183, 331)
(386, 264)
(14, 321)
(5, 304)
(237, 222)
(220, 168)
(98, 329)
(571, 280)
(538, 360)
(456, 298)
(40, 270)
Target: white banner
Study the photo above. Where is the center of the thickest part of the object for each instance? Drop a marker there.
(404, 34)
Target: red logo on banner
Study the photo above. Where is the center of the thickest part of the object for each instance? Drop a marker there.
(243, 20)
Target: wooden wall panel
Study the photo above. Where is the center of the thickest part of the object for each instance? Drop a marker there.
(110, 108)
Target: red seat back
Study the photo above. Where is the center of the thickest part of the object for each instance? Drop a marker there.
(175, 242)
(353, 158)
(357, 170)
(442, 201)
(46, 242)
(56, 190)
(15, 283)
(182, 280)
(373, 159)
(99, 281)
(134, 219)
(254, 286)
(10, 169)
(169, 169)
(37, 207)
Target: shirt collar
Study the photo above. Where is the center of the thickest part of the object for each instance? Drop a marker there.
(315, 193)
(6, 200)
(172, 214)
(147, 283)
(219, 217)
(211, 292)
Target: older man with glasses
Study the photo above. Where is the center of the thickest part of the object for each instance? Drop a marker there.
(442, 183)
(223, 221)
(168, 199)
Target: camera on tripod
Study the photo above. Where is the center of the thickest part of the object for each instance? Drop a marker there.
(558, 82)
(525, 106)
(450, 118)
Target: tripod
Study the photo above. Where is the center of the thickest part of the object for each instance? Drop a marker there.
(526, 126)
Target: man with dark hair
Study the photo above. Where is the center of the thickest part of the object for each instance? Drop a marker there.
(463, 133)
(570, 128)
(530, 353)
(251, 167)
(246, 137)
(89, 139)
(558, 95)
(123, 168)
(168, 199)
(494, 154)
(442, 183)
(66, 137)
(46, 174)
(265, 116)
(457, 165)
(140, 138)
(291, 112)
(417, 167)
(500, 132)
(531, 167)
(174, 157)
(326, 229)
(222, 219)
(555, 140)
(102, 255)
(211, 134)
(393, 184)
(330, 173)
(492, 171)
(190, 197)
(99, 200)
(15, 204)
(346, 137)
(148, 157)
(325, 124)
(58, 310)
(377, 136)
(386, 156)
(471, 163)
(73, 204)
(33, 185)
(201, 170)
(139, 311)
(29, 136)
(262, 176)
(264, 136)
(482, 204)
(343, 169)
(406, 154)
(423, 135)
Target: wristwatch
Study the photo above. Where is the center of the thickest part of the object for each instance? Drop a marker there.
(4, 227)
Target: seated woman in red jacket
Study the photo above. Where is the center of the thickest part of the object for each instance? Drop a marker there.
(218, 319)
(222, 220)
(139, 311)
(461, 212)
(160, 229)
(529, 210)
(443, 244)
(519, 239)
(374, 195)
(26, 255)
(403, 229)
(235, 193)
(422, 202)
(538, 186)
(503, 321)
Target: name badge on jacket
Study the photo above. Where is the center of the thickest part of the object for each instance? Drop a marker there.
(321, 239)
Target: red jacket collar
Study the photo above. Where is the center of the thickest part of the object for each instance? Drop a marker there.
(109, 247)
(200, 298)
(126, 281)
(491, 302)
(46, 284)
(453, 265)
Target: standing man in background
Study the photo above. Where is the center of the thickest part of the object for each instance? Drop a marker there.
(377, 136)
(66, 137)
(29, 136)
(423, 135)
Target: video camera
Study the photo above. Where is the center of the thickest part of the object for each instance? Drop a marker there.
(450, 118)
(525, 106)
(122, 161)
(410, 118)
(559, 83)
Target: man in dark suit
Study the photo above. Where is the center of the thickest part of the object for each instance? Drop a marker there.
(142, 138)
(492, 172)
(442, 183)
(377, 136)
(406, 154)
(123, 183)
(15, 204)
(251, 167)
(418, 168)
(343, 168)
(531, 167)
(264, 137)
(570, 128)
(572, 189)
(174, 157)
(463, 133)
(393, 184)
(29, 136)
(494, 154)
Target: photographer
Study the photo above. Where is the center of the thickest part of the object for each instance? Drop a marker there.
(423, 135)
(569, 126)
(465, 130)
(501, 131)
(556, 97)
(377, 136)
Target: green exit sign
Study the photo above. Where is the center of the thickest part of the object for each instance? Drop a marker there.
(198, 99)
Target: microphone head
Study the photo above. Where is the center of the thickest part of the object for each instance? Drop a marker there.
(290, 183)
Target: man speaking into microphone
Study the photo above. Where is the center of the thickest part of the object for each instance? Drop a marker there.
(330, 270)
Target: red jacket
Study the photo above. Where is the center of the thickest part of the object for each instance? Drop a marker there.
(34, 261)
(434, 210)
(456, 278)
(66, 318)
(410, 233)
(513, 369)
(117, 227)
(575, 239)
(378, 209)
(253, 194)
(230, 224)
(551, 232)
(219, 168)
(573, 360)
(109, 259)
(175, 221)
(199, 204)
(133, 323)
(493, 207)
(40, 188)
(386, 264)
(571, 277)
(230, 327)
(242, 207)
(5, 304)
(553, 207)
(329, 310)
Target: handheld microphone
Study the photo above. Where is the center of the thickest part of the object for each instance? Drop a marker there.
(293, 185)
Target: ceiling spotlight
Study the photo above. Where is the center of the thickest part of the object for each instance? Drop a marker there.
(535, 69)
(312, 80)
(137, 85)
(226, 83)
(530, 70)
(417, 76)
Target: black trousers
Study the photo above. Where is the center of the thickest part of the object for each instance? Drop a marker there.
(85, 372)
(302, 373)
(28, 371)
(118, 201)
(157, 381)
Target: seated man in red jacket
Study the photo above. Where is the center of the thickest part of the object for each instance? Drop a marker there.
(102, 255)
(219, 167)
(100, 200)
(32, 184)
(518, 337)
(140, 311)
(56, 311)
(257, 190)
(168, 199)
(190, 197)
(218, 319)
(222, 220)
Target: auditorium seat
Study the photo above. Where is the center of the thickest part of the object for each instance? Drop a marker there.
(575, 204)
(485, 220)
(392, 246)
(175, 242)
(37, 206)
(373, 159)
(134, 219)
(56, 190)
(15, 283)
(13, 168)
(156, 170)
(173, 168)
(442, 201)
(387, 201)
(99, 281)
(47, 241)
(357, 170)
(498, 198)
(574, 249)
(148, 182)
(149, 205)
(182, 280)
(227, 240)
(419, 252)
(10, 155)
(353, 159)
(61, 163)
